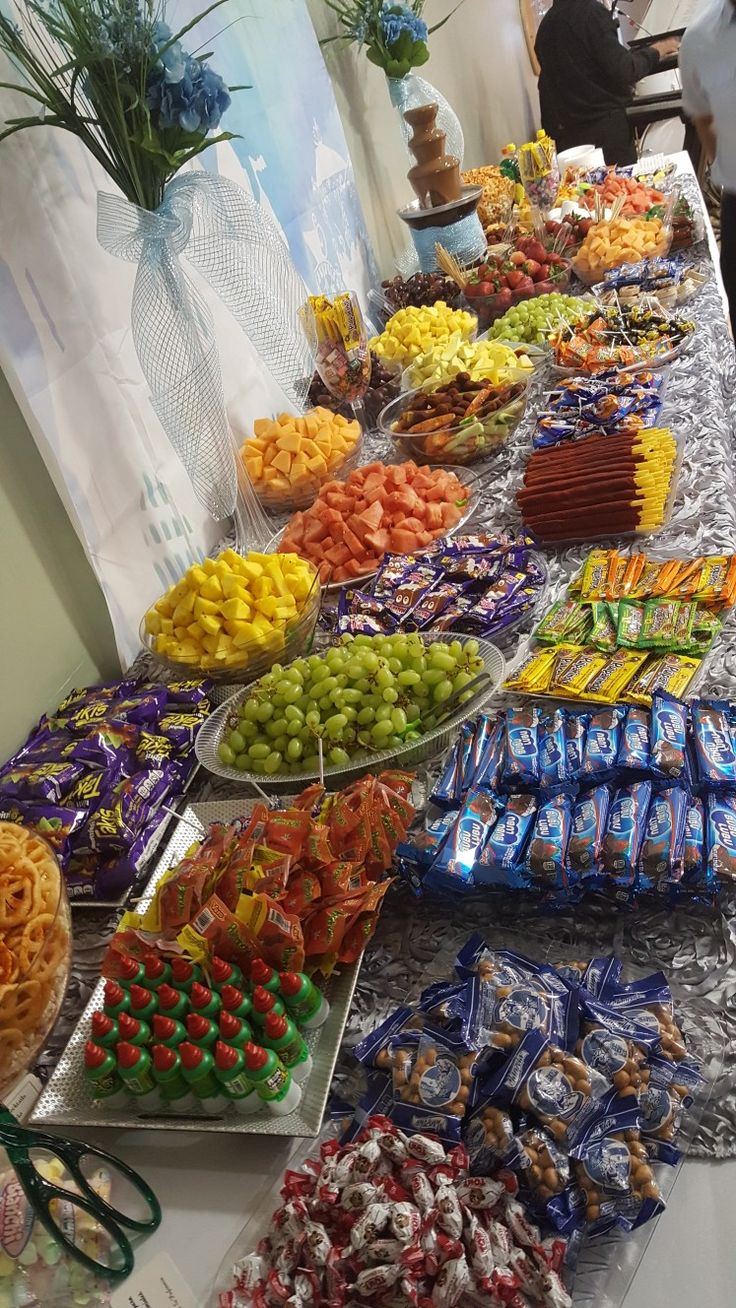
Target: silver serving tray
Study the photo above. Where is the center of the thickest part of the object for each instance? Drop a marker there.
(67, 1101)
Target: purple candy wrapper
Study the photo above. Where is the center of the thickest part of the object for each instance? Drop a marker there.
(105, 744)
(55, 823)
(180, 728)
(126, 810)
(50, 782)
(189, 692)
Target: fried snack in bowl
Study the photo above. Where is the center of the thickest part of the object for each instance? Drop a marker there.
(35, 946)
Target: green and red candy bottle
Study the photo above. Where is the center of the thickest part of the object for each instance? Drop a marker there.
(204, 1001)
(173, 1091)
(101, 1072)
(233, 1030)
(156, 972)
(225, 974)
(184, 973)
(306, 1004)
(273, 1081)
(143, 1003)
(198, 1070)
(134, 1030)
(167, 1031)
(104, 1030)
(263, 975)
(131, 971)
(172, 1003)
(236, 1085)
(236, 1002)
(265, 1002)
(280, 1034)
(116, 1000)
(134, 1067)
(202, 1031)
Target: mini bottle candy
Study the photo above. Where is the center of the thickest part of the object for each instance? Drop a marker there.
(100, 1070)
(134, 1066)
(198, 1070)
(281, 1035)
(156, 972)
(265, 1002)
(133, 1030)
(204, 1001)
(172, 1003)
(306, 1004)
(202, 1030)
(230, 1072)
(143, 1003)
(273, 1081)
(104, 1030)
(173, 1090)
(131, 971)
(184, 974)
(235, 1002)
(116, 1000)
(225, 974)
(167, 1031)
(263, 975)
(233, 1030)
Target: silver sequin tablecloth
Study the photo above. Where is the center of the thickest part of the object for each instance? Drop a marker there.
(416, 940)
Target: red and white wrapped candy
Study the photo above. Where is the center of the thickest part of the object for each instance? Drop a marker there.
(342, 1239)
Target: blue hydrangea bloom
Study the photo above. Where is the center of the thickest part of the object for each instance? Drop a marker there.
(393, 24)
(172, 60)
(195, 103)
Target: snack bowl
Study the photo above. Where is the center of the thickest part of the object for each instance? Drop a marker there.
(304, 492)
(591, 273)
(212, 734)
(469, 440)
(490, 307)
(257, 657)
(35, 946)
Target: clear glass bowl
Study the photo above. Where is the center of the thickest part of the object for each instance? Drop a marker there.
(463, 444)
(432, 742)
(590, 274)
(256, 658)
(303, 493)
(35, 948)
(490, 307)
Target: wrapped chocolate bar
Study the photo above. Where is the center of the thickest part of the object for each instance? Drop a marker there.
(500, 862)
(453, 866)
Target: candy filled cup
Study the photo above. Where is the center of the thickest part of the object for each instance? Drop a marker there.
(339, 342)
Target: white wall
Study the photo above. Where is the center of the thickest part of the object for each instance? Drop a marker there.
(479, 62)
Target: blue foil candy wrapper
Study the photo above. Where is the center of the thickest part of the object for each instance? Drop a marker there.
(552, 752)
(694, 847)
(452, 869)
(715, 753)
(589, 818)
(634, 751)
(488, 772)
(545, 859)
(602, 744)
(502, 855)
(521, 760)
(721, 835)
(661, 855)
(576, 726)
(625, 831)
(668, 735)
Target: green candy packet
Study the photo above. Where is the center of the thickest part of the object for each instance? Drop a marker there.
(630, 623)
(604, 633)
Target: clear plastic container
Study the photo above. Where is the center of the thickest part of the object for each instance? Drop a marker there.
(35, 947)
(490, 307)
(465, 443)
(304, 492)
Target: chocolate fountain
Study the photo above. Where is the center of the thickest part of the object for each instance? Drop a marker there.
(444, 211)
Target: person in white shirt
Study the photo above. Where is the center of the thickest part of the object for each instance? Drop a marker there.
(708, 73)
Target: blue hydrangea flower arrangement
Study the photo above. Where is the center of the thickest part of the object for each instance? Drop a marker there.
(394, 35)
(116, 76)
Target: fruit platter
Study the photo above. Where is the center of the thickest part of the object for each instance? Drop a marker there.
(483, 360)
(361, 704)
(459, 421)
(380, 508)
(504, 279)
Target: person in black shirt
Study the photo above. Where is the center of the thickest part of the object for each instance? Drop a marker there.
(587, 77)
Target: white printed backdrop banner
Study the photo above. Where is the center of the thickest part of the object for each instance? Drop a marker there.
(65, 338)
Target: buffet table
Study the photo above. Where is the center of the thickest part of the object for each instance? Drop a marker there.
(209, 1185)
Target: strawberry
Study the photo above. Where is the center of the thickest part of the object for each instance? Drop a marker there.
(518, 257)
(515, 279)
(532, 267)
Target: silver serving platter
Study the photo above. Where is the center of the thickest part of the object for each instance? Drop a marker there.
(67, 1101)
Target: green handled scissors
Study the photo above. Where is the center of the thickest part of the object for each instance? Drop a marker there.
(47, 1197)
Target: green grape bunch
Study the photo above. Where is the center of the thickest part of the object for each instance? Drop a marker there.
(364, 695)
(534, 320)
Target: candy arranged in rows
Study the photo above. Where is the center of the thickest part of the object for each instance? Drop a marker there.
(477, 583)
(389, 1217)
(174, 1044)
(612, 403)
(92, 777)
(618, 800)
(304, 882)
(571, 1079)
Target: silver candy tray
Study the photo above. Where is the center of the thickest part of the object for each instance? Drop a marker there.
(67, 1101)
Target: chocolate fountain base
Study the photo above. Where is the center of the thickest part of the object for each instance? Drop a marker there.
(456, 226)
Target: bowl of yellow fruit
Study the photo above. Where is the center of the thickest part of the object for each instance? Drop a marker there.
(234, 616)
(289, 458)
(413, 331)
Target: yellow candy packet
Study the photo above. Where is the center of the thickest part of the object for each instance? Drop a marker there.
(534, 672)
(572, 677)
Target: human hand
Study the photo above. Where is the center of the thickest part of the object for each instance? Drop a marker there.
(669, 45)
